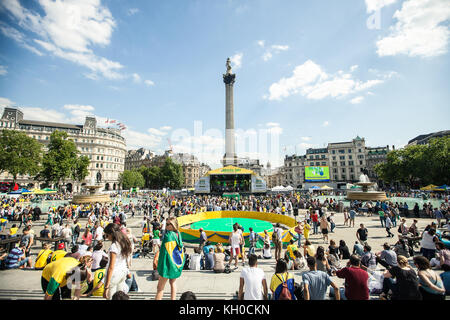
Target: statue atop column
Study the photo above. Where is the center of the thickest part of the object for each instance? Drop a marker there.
(228, 66)
(229, 77)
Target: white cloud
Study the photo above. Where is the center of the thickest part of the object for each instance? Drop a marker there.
(236, 60)
(78, 107)
(375, 5)
(357, 100)
(325, 124)
(3, 70)
(267, 56)
(303, 146)
(67, 29)
(208, 148)
(156, 132)
(261, 43)
(19, 37)
(353, 68)
(5, 102)
(272, 124)
(166, 128)
(132, 11)
(136, 78)
(41, 114)
(276, 48)
(149, 83)
(305, 138)
(98, 65)
(311, 81)
(421, 30)
(136, 139)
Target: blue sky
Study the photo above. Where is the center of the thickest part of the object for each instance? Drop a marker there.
(308, 72)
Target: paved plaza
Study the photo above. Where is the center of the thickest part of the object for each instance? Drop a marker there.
(26, 284)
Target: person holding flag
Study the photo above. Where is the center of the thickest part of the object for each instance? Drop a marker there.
(171, 259)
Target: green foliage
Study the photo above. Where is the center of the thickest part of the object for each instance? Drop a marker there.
(19, 154)
(172, 174)
(62, 162)
(131, 179)
(425, 164)
(169, 175)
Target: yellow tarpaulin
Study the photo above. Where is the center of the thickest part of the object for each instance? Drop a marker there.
(428, 187)
(326, 188)
(230, 170)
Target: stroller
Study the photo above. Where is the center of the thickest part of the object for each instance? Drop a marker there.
(146, 246)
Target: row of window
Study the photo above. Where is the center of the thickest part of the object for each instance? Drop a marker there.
(343, 151)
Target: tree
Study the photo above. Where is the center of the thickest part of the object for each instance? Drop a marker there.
(62, 161)
(172, 174)
(418, 164)
(438, 161)
(131, 179)
(19, 154)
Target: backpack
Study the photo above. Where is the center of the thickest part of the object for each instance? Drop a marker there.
(285, 294)
(399, 229)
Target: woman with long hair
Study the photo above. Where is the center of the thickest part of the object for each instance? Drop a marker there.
(171, 259)
(87, 236)
(117, 268)
(282, 276)
(430, 284)
(321, 260)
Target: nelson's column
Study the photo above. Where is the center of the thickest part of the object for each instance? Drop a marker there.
(230, 157)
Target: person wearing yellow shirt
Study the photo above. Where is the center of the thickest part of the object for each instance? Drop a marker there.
(41, 260)
(308, 249)
(13, 231)
(306, 230)
(55, 275)
(290, 249)
(60, 253)
(3, 223)
(98, 286)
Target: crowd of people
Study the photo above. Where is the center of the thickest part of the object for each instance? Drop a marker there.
(82, 262)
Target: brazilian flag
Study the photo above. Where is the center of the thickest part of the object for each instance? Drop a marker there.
(171, 256)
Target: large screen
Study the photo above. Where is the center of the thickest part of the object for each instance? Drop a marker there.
(313, 174)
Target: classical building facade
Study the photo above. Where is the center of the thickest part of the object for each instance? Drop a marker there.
(375, 156)
(425, 138)
(135, 159)
(192, 168)
(105, 147)
(346, 162)
(294, 168)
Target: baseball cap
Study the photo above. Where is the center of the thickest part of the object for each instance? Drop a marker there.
(60, 246)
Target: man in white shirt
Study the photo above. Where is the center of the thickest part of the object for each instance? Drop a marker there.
(66, 232)
(98, 234)
(254, 280)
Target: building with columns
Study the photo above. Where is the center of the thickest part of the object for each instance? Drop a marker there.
(105, 148)
(192, 168)
(346, 161)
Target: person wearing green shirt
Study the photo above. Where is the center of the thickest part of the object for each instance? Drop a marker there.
(156, 240)
(382, 217)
